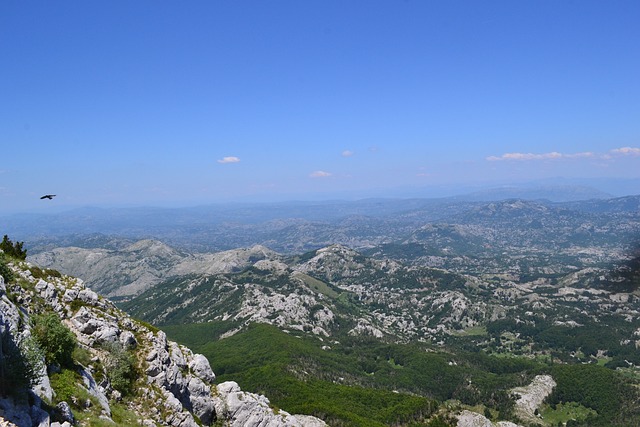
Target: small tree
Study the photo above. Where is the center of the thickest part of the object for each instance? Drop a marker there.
(13, 249)
(56, 340)
(120, 368)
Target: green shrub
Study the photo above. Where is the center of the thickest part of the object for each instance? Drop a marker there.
(5, 271)
(439, 422)
(120, 366)
(39, 273)
(76, 304)
(65, 384)
(52, 272)
(595, 387)
(123, 416)
(55, 339)
(82, 356)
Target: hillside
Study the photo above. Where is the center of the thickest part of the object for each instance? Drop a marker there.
(136, 267)
(69, 356)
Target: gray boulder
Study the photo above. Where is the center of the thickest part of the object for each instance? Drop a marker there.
(96, 391)
(243, 409)
(65, 412)
(200, 366)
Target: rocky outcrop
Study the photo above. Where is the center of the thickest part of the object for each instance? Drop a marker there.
(177, 389)
(284, 310)
(13, 330)
(530, 398)
(473, 419)
(243, 409)
(168, 369)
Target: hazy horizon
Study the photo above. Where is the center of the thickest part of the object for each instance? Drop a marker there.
(184, 104)
(557, 189)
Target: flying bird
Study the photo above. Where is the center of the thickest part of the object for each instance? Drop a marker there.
(48, 196)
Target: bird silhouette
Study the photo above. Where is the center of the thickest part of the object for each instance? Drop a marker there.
(48, 196)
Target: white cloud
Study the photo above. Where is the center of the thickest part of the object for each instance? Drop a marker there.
(623, 151)
(626, 151)
(347, 153)
(230, 159)
(583, 155)
(526, 156)
(319, 174)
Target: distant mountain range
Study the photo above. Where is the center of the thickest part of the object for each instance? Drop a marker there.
(287, 228)
(553, 193)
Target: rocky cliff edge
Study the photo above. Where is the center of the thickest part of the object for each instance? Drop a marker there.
(172, 386)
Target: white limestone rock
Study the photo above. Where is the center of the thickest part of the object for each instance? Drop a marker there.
(128, 340)
(309, 421)
(200, 366)
(364, 327)
(188, 392)
(473, 419)
(42, 388)
(530, 398)
(96, 391)
(243, 409)
(64, 410)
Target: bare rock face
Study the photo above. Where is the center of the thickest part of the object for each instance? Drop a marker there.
(65, 412)
(168, 368)
(530, 398)
(473, 419)
(96, 391)
(200, 366)
(243, 409)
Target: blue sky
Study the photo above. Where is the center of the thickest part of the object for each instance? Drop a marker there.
(197, 102)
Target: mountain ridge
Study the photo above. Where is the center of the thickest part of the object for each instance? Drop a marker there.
(284, 228)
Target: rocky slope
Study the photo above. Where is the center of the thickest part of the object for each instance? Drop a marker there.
(143, 264)
(337, 290)
(173, 386)
(320, 292)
